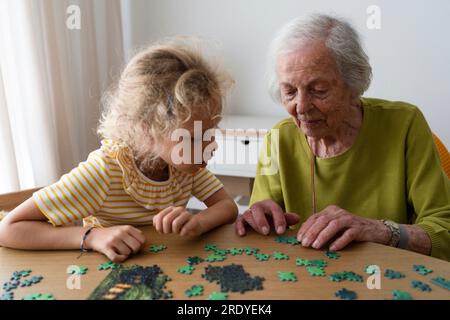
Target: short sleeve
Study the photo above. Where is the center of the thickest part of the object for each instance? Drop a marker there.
(205, 184)
(78, 194)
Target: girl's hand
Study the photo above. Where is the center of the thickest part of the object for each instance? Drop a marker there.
(117, 243)
(177, 220)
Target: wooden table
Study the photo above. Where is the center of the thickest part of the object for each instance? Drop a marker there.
(52, 265)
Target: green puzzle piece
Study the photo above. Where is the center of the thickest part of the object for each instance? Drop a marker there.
(108, 265)
(332, 254)
(318, 263)
(351, 276)
(316, 271)
(186, 269)
(210, 247)
(337, 277)
(371, 269)
(218, 296)
(302, 262)
(235, 251)
(78, 270)
(215, 258)
(249, 250)
(287, 276)
(38, 296)
(157, 248)
(221, 252)
(194, 260)
(194, 291)
(401, 295)
(280, 256)
(293, 241)
(262, 257)
(287, 240)
(313, 263)
(281, 239)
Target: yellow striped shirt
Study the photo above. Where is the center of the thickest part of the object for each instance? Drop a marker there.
(108, 189)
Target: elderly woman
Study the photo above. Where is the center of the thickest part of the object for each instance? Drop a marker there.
(349, 168)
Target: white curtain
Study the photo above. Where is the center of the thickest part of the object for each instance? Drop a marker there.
(51, 81)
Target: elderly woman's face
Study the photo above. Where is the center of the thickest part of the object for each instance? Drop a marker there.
(312, 90)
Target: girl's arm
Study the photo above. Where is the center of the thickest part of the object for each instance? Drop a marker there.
(27, 228)
(221, 210)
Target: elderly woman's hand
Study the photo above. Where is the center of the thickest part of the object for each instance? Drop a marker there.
(264, 215)
(334, 223)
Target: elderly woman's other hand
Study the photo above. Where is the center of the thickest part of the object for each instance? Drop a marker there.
(264, 215)
(341, 226)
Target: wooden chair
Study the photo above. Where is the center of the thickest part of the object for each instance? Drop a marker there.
(9, 201)
(443, 155)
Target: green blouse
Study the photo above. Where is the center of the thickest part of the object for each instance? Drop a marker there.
(392, 171)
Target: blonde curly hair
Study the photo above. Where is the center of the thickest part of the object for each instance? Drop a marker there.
(159, 90)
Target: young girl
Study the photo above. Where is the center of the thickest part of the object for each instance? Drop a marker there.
(136, 178)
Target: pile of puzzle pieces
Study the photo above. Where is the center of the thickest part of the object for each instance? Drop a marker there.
(22, 278)
(232, 278)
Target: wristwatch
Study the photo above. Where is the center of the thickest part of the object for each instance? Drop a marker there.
(395, 232)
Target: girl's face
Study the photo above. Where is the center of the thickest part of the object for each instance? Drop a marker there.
(190, 147)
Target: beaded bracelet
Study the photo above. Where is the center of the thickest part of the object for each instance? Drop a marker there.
(82, 248)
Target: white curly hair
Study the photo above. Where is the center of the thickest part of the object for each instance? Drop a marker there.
(339, 37)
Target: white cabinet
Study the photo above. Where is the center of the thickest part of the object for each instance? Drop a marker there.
(239, 143)
(236, 156)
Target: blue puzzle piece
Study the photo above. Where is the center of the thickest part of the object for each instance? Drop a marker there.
(441, 282)
(7, 296)
(36, 279)
(391, 274)
(346, 294)
(419, 285)
(11, 285)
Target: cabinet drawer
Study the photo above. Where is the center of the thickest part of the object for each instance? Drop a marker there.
(236, 155)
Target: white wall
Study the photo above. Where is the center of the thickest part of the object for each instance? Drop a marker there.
(409, 55)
